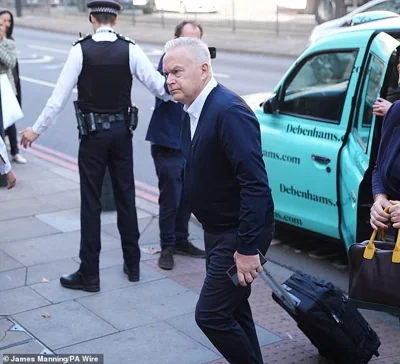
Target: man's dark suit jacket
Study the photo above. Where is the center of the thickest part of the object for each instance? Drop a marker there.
(166, 121)
(225, 178)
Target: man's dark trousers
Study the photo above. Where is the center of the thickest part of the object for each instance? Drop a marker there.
(112, 148)
(174, 211)
(223, 312)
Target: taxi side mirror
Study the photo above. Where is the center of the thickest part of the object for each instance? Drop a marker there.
(271, 105)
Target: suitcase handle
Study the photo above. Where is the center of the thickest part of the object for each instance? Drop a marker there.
(369, 251)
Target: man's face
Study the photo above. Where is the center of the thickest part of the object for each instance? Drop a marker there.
(185, 78)
(191, 31)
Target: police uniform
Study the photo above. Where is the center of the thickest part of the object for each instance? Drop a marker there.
(102, 66)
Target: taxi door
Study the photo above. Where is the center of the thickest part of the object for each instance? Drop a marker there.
(356, 154)
(302, 139)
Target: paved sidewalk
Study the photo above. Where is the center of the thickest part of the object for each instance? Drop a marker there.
(247, 41)
(151, 321)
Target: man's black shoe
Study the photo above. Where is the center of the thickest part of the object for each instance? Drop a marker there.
(166, 260)
(188, 249)
(78, 281)
(132, 273)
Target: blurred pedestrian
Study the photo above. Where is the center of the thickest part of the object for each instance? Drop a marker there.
(164, 134)
(11, 131)
(5, 166)
(227, 184)
(102, 65)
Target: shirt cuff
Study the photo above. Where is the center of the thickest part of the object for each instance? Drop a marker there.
(38, 129)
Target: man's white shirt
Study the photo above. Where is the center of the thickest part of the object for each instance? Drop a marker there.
(140, 67)
(194, 110)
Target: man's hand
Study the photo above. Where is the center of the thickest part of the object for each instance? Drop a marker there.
(11, 179)
(379, 217)
(394, 212)
(380, 107)
(28, 136)
(248, 267)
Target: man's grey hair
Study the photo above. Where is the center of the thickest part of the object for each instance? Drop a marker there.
(197, 48)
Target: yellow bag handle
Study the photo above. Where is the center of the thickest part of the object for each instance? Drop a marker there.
(370, 248)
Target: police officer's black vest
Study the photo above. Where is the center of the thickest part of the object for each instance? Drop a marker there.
(105, 82)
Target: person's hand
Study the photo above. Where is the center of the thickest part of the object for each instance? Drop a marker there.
(379, 217)
(394, 212)
(11, 179)
(381, 106)
(28, 136)
(248, 267)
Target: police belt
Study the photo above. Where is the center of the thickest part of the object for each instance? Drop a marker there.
(104, 119)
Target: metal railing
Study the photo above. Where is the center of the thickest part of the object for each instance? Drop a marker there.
(231, 15)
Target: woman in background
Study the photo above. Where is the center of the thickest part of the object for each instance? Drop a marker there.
(11, 131)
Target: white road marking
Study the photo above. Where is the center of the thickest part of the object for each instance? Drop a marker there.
(221, 75)
(41, 83)
(43, 59)
(49, 49)
(54, 66)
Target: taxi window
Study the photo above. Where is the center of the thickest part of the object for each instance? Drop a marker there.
(393, 5)
(318, 89)
(370, 92)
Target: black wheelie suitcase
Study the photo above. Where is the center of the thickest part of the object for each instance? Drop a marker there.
(323, 313)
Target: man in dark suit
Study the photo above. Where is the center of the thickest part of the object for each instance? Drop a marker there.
(227, 184)
(164, 134)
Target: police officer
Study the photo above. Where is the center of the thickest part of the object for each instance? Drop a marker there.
(102, 65)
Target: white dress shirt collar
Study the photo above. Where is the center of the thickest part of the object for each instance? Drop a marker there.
(197, 106)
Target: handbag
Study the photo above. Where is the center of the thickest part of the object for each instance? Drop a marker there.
(10, 107)
(374, 268)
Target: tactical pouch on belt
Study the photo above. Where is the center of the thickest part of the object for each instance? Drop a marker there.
(133, 118)
(80, 120)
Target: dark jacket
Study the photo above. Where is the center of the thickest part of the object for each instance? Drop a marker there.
(166, 121)
(225, 177)
(389, 149)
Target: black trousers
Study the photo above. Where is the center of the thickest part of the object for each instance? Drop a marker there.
(223, 312)
(112, 148)
(11, 132)
(174, 212)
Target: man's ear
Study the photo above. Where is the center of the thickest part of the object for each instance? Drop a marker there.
(91, 19)
(115, 21)
(205, 68)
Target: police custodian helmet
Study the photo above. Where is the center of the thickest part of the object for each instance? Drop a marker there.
(104, 6)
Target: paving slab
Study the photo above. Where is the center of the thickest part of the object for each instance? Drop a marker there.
(12, 279)
(24, 228)
(68, 323)
(187, 325)
(142, 304)
(32, 187)
(50, 271)
(7, 262)
(110, 279)
(9, 338)
(112, 229)
(112, 258)
(62, 201)
(32, 347)
(158, 343)
(20, 299)
(48, 248)
(24, 207)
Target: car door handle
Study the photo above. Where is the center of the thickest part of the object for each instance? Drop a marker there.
(320, 159)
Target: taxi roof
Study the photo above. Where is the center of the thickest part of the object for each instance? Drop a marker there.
(357, 36)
